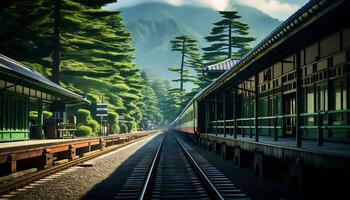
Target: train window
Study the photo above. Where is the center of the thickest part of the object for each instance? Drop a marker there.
(311, 53)
(346, 38)
(330, 45)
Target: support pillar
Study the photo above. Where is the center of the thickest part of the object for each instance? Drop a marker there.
(214, 146)
(103, 144)
(296, 173)
(12, 162)
(275, 130)
(258, 163)
(206, 117)
(40, 122)
(298, 100)
(237, 156)
(235, 113)
(224, 113)
(216, 114)
(256, 107)
(319, 129)
(71, 152)
(224, 151)
(47, 158)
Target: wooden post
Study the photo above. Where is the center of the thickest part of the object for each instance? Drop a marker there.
(298, 99)
(235, 113)
(224, 113)
(216, 114)
(319, 129)
(207, 117)
(13, 163)
(40, 120)
(256, 107)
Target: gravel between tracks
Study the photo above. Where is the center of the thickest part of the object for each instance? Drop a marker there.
(76, 182)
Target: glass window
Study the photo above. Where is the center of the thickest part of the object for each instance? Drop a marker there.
(338, 99)
(310, 101)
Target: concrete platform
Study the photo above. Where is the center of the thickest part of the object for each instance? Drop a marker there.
(22, 145)
(330, 148)
(334, 156)
(44, 150)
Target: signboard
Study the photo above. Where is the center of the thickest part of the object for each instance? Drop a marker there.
(101, 110)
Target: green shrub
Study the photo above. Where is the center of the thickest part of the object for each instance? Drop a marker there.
(113, 123)
(83, 116)
(130, 126)
(114, 129)
(123, 128)
(94, 125)
(83, 131)
(33, 115)
(47, 114)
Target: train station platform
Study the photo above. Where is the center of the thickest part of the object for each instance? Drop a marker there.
(43, 152)
(29, 144)
(331, 148)
(331, 155)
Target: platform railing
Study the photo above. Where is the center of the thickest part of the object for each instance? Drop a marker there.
(314, 125)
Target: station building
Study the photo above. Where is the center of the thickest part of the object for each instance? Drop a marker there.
(23, 90)
(294, 83)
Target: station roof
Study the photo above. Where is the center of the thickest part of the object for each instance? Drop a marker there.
(222, 66)
(24, 75)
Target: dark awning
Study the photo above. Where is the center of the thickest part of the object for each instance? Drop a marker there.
(18, 72)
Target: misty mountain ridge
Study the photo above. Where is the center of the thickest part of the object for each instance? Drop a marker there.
(153, 25)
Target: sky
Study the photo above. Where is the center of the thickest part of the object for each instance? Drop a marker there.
(280, 9)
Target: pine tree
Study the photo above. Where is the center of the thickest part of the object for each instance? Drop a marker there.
(187, 48)
(95, 50)
(228, 38)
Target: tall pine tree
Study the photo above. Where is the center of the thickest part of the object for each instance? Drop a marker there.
(228, 38)
(187, 47)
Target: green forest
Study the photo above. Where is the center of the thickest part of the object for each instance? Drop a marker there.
(89, 51)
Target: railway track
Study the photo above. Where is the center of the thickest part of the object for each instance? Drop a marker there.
(19, 182)
(173, 173)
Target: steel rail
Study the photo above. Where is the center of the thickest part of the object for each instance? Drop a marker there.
(151, 171)
(210, 186)
(27, 179)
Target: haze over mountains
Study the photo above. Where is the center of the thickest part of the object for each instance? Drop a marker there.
(153, 25)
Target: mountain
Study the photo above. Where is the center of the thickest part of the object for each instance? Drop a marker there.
(153, 25)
